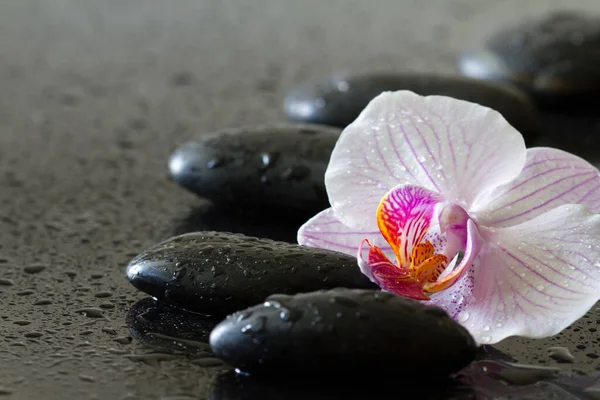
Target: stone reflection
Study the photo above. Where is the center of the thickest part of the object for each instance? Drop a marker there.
(166, 328)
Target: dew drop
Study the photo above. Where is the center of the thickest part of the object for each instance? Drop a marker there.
(215, 162)
(486, 339)
(463, 316)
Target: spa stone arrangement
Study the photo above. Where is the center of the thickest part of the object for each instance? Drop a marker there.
(273, 308)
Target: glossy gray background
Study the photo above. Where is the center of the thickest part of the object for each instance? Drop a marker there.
(94, 96)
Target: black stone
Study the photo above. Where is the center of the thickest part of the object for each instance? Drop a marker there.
(352, 332)
(280, 166)
(556, 58)
(218, 273)
(338, 100)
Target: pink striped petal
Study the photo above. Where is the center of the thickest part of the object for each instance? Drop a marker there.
(325, 231)
(533, 279)
(549, 179)
(459, 149)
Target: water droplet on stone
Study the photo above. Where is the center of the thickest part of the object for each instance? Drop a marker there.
(256, 326)
(268, 159)
(244, 315)
(289, 315)
(91, 312)
(215, 162)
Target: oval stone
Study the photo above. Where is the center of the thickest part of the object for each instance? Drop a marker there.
(338, 100)
(279, 166)
(556, 57)
(218, 273)
(351, 332)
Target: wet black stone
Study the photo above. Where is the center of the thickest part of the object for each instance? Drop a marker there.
(218, 273)
(353, 332)
(338, 100)
(556, 58)
(279, 166)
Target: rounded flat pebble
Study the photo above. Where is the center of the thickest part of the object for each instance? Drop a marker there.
(273, 166)
(351, 332)
(555, 57)
(218, 273)
(338, 100)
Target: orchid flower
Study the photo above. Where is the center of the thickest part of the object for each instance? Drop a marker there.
(443, 203)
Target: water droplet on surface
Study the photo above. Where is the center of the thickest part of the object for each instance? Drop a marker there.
(561, 354)
(244, 315)
(342, 86)
(215, 162)
(256, 326)
(5, 391)
(272, 303)
(463, 316)
(268, 159)
(486, 339)
(289, 315)
(91, 312)
(34, 268)
(522, 374)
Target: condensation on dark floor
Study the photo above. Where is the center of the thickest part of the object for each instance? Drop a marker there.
(94, 96)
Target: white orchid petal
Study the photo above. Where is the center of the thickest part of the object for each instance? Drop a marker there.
(325, 231)
(549, 179)
(533, 279)
(459, 149)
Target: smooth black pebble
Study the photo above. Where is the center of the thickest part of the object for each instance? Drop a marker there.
(218, 273)
(338, 100)
(352, 332)
(556, 58)
(279, 166)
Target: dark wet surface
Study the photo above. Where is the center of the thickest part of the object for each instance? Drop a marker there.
(96, 96)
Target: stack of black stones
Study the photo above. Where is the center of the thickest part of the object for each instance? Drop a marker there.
(272, 308)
